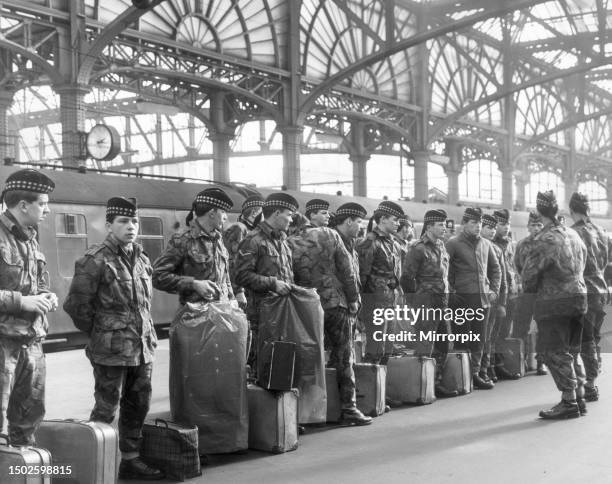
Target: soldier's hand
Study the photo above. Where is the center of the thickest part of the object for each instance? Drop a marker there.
(282, 288)
(241, 299)
(501, 312)
(353, 308)
(36, 304)
(492, 297)
(52, 298)
(207, 290)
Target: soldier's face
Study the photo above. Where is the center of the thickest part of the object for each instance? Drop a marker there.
(472, 227)
(388, 224)
(218, 217)
(437, 230)
(503, 229)
(533, 229)
(124, 229)
(353, 227)
(36, 211)
(488, 232)
(320, 218)
(281, 219)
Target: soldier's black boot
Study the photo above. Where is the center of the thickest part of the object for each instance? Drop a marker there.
(481, 384)
(137, 469)
(541, 369)
(443, 392)
(354, 416)
(591, 394)
(563, 410)
(504, 373)
(581, 406)
(492, 374)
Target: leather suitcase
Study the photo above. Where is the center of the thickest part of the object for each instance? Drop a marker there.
(276, 366)
(411, 379)
(370, 382)
(273, 420)
(15, 460)
(513, 351)
(334, 407)
(457, 374)
(91, 448)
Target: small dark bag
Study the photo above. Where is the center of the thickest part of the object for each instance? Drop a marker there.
(172, 448)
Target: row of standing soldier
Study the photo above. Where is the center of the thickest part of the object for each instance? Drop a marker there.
(110, 295)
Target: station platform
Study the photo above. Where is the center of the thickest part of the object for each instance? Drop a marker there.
(487, 436)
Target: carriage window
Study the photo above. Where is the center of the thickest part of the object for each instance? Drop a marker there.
(71, 234)
(152, 236)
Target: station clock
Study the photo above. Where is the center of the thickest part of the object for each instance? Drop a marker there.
(103, 142)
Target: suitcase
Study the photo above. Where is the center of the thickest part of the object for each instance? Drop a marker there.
(457, 374)
(513, 354)
(91, 448)
(14, 460)
(334, 407)
(411, 379)
(276, 366)
(273, 420)
(370, 382)
(171, 447)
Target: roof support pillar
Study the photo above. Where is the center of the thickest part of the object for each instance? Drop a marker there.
(521, 182)
(6, 142)
(452, 171)
(292, 147)
(72, 116)
(360, 174)
(507, 188)
(221, 154)
(421, 184)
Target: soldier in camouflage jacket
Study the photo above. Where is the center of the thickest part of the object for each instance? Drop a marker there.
(553, 272)
(110, 299)
(25, 299)
(596, 242)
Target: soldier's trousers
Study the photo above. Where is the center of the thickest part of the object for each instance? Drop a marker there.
(424, 347)
(22, 389)
(559, 340)
(130, 388)
(495, 320)
(523, 315)
(476, 329)
(339, 334)
(590, 337)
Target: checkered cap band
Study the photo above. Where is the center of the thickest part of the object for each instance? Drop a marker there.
(472, 214)
(29, 186)
(213, 202)
(502, 216)
(252, 203)
(350, 212)
(435, 216)
(282, 204)
(546, 199)
(489, 220)
(386, 210)
(121, 211)
(312, 208)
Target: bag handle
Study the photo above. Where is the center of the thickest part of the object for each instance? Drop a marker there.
(158, 420)
(5, 437)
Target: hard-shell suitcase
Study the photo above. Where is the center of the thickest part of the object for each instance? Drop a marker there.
(457, 374)
(411, 379)
(370, 383)
(276, 366)
(334, 407)
(17, 462)
(90, 448)
(171, 447)
(273, 420)
(513, 351)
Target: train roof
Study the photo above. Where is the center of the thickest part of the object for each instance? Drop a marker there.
(95, 189)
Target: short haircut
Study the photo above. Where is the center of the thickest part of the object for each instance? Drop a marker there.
(13, 197)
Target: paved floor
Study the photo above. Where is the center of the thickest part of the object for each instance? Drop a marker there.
(488, 436)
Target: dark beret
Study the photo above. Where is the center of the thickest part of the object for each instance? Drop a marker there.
(579, 202)
(122, 207)
(316, 204)
(534, 218)
(252, 201)
(351, 209)
(546, 199)
(435, 216)
(29, 180)
(282, 200)
(214, 197)
(489, 220)
(502, 215)
(387, 207)
(472, 213)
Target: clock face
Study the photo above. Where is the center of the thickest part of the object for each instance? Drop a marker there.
(103, 142)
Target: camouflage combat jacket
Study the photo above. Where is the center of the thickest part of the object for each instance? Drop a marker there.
(232, 237)
(193, 255)
(110, 298)
(23, 272)
(597, 257)
(426, 268)
(264, 257)
(511, 276)
(473, 267)
(321, 261)
(349, 245)
(503, 285)
(402, 246)
(379, 262)
(553, 270)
